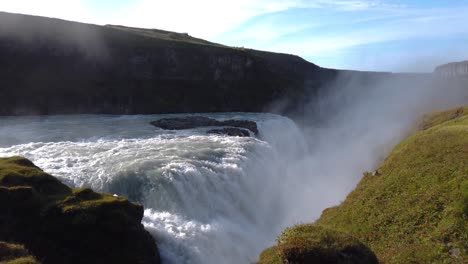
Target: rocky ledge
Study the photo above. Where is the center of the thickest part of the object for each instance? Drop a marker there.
(309, 243)
(453, 69)
(234, 127)
(58, 224)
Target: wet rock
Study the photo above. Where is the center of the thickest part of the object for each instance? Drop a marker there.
(230, 131)
(178, 123)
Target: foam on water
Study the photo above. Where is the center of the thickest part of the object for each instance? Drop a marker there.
(208, 198)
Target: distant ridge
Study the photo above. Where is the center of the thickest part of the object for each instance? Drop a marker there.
(53, 66)
(453, 69)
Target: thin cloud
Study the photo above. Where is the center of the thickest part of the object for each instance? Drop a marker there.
(315, 29)
(339, 31)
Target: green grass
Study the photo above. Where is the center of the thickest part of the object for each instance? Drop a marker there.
(165, 35)
(29, 195)
(270, 255)
(438, 118)
(310, 243)
(414, 211)
(15, 254)
(85, 199)
(20, 176)
(19, 172)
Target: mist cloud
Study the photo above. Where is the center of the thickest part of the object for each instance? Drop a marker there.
(351, 127)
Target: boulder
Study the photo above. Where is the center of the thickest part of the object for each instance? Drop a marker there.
(230, 131)
(178, 123)
(188, 122)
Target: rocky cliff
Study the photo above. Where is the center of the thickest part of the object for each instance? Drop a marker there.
(453, 69)
(52, 66)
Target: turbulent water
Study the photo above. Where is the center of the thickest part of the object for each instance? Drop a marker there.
(208, 198)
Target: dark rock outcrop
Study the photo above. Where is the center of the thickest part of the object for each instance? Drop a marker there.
(62, 225)
(230, 131)
(178, 123)
(52, 66)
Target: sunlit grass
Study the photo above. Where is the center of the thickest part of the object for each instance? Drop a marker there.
(414, 210)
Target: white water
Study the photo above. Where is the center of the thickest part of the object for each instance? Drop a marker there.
(208, 198)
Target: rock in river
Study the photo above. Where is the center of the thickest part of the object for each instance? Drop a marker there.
(178, 123)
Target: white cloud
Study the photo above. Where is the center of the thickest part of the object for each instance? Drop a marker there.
(71, 9)
(201, 18)
(392, 24)
(224, 21)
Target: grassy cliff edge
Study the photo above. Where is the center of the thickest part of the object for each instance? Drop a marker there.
(57, 224)
(413, 209)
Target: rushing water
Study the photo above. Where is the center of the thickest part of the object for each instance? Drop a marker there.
(208, 198)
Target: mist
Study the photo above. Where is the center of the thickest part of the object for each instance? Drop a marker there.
(60, 37)
(350, 126)
(209, 197)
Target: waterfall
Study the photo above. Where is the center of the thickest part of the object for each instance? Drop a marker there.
(208, 198)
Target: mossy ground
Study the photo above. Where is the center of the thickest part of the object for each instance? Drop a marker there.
(310, 243)
(415, 209)
(15, 254)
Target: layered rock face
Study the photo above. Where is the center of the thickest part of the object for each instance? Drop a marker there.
(454, 69)
(62, 225)
(232, 127)
(51, 66)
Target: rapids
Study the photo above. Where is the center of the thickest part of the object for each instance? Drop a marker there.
(208, 198)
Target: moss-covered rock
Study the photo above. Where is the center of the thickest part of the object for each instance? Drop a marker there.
(63, 225)
(311, 243)
(15, 254)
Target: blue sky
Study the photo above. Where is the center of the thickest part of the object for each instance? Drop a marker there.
(390, 35)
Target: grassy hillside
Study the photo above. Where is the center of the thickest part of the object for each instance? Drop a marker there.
(414, 208)
(166, 35)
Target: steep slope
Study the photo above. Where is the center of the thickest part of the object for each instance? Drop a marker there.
(414, 208)
(62, 225)
(52, 66)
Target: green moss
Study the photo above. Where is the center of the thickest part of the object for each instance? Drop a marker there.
(311, 243)
(464, 202)
(15, 254)
(18, 171)
(270, 256)
(164, 35)
(87, 206)
(415, 210)
(438, 118)
(37, 210)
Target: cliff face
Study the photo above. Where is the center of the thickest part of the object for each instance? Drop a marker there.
(51, 66)
(454, 69)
